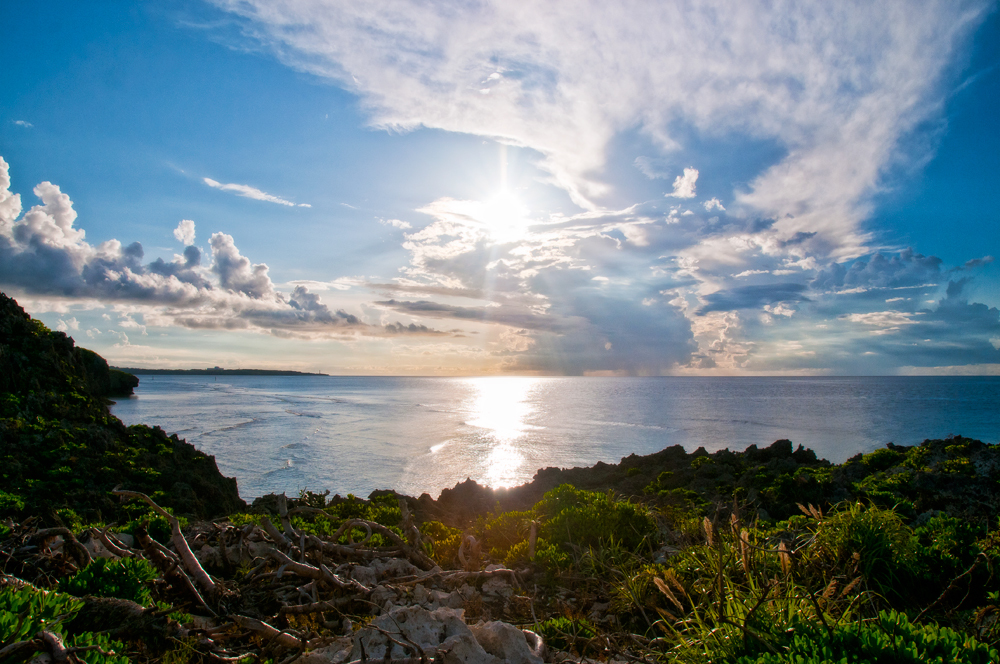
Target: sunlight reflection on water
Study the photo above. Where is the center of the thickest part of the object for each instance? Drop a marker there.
(502, 405)
(420, 435)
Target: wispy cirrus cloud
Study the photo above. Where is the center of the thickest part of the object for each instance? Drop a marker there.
(837, 91)
(837, 87)
(247, 191)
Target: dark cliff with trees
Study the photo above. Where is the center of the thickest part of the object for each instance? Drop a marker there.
(61, 451)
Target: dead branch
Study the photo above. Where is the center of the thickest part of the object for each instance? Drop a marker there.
(315, 607)
(321, 573)
(168, 566)
(110, 544)
(286, 523)
(71, 545)
(19, 650)
(279, 538)
(268, 632)
(191, 563)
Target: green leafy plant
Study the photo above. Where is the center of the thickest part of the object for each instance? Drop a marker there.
(890, 638)
(567, 634)
(26, 611)
(125, 579)
(587, 519)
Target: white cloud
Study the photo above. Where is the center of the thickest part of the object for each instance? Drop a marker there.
(68, 324)
(684, 184)
(185, 232)
(23, 123)
(43, 254)
(713, 204)
(396, 223)
(779, 310)
(340, 283)
(885, 322)
(835, 85)
(247, 191)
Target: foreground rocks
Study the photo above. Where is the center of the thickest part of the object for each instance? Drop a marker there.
(275, 591)
(440, 634)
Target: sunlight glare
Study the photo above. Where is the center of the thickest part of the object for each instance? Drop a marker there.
(502, 406)
(505, 217)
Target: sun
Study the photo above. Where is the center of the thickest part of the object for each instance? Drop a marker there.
(505, 217)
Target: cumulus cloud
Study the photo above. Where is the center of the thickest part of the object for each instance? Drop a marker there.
(752, 297)
(713, 204)
(42, 253)
(906, 269)
(684, 185)
(185, 232)
(247, 191)
(23, 123)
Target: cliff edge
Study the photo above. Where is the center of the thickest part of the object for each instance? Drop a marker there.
(60, 447)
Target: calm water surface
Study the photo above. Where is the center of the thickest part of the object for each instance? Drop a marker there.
(350, 434)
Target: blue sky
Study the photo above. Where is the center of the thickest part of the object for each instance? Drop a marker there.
(445, 188)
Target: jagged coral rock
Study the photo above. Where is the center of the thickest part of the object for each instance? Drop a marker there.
(441, 630)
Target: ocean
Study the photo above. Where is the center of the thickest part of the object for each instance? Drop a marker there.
(416, 435)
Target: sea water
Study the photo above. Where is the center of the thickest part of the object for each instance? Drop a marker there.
(415, 435)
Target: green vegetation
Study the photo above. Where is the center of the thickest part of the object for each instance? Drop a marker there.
(890, 637)
(764, 556)
(61, 451)
(127, 578)
(26, 611)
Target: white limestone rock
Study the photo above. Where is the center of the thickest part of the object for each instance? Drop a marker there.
(441, 630)
(497, 586)
(508, 643)
(98, 550)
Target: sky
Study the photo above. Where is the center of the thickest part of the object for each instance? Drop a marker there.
(468, 188)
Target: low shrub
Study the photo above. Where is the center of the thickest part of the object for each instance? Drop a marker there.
(868, 541)
(125, 579)
(890, 639)
(567, 634)
(26, 611)
(588, 519)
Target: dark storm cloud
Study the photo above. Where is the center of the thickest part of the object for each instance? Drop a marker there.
(752, 297)
(905, 269)
(611, 334)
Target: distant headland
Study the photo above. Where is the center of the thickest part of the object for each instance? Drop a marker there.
(216, 371)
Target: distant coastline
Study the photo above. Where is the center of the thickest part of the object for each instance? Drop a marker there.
(216, 371)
